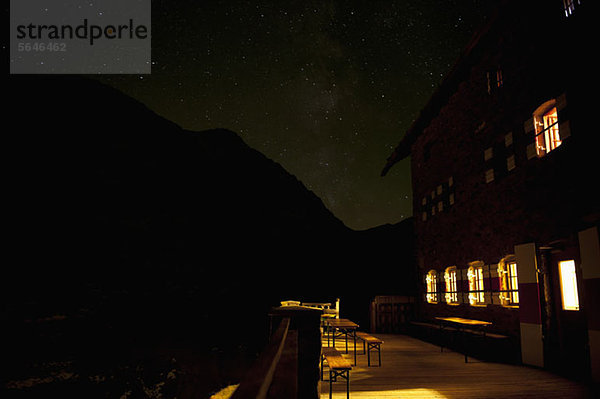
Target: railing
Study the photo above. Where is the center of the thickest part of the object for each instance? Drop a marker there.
(264, 378)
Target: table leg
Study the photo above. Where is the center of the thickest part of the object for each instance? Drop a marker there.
(354, 336)
(464, 340)
(348, 384)
(346, 335)
(441, 337)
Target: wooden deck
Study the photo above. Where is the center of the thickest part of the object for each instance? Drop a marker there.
(415, 369)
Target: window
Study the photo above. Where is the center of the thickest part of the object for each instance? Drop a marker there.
(499, 79)
(451, 286)
(510, 163)
(547, 135)
(509, 284)
(569, 6)
(488, 154)
(494, 80)
(476, 292)
(508, 139)
(489, 175)
(431, 281)
(568, 285)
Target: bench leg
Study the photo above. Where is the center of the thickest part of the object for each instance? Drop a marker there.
(347, 384)
(376, 347)
(322, 367)
(333, 374)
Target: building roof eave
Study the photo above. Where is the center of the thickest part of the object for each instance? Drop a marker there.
(446, 88)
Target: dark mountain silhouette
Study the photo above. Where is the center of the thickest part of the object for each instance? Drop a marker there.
(133, 235)
(106, 185)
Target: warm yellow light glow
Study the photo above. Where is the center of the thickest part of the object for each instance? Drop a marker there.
(431, 280)
(568, 285)
(476, 294)
(451, 288)
(546, 129)
(401, 393)
(509, 283)
(514, 282)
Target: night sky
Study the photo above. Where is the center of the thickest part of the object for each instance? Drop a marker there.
(325, 88)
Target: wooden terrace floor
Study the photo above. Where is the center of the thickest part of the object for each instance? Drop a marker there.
(415, 369)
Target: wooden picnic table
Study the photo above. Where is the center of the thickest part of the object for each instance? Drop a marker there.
(345, 327)
(461, 325)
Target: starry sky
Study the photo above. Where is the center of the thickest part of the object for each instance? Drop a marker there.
(325, 88)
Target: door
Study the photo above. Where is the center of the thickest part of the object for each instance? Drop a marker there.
(570, 356)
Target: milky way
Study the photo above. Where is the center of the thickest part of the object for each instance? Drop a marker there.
(325, 88)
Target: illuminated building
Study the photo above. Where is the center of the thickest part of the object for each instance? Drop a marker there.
(504, 173)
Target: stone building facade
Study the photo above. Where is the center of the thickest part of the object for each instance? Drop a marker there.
(504, 173)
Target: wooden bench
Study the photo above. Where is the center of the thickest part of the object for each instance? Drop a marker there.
(371, 343)
(338, 367)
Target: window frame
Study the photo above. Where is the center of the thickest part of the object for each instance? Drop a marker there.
(476, 285)
(569, 7)
(431, 285)
(571, 284)
(547, 136)
(509, 281)
(451, 285)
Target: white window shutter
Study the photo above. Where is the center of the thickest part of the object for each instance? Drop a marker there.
(489, 175)
(528, 126)
(531, 151)
(564, 130)
(508, 139)
(461, 276)
(510, 163)
(487, 284)
(561, 102)
(488, 153)
(487, 297)
(493, 271)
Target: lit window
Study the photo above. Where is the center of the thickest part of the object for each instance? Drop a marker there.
(431, 281)
(499, 79)
(451, 286)
(547, 135)
(570, 6)
(476, 292)
(568, 285)
(509, 284)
